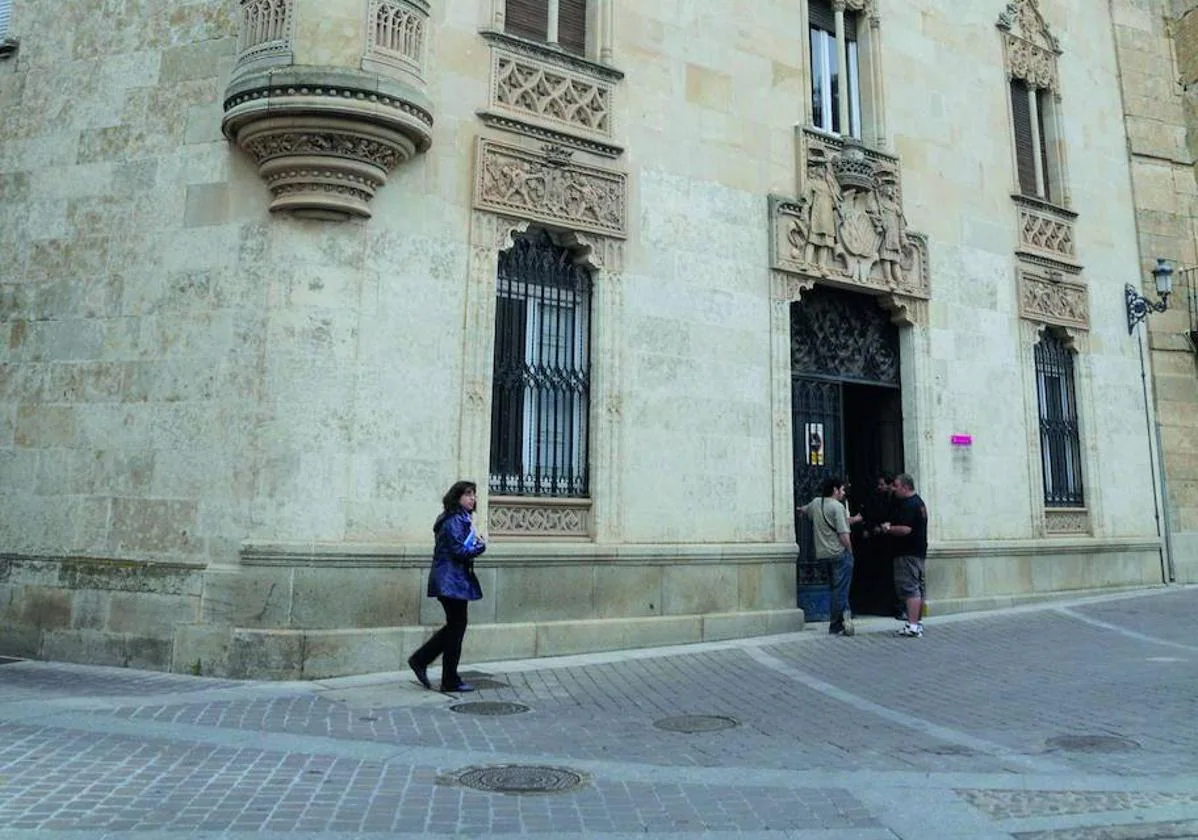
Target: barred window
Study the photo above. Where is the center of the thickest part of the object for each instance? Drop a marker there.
(559, 22)
(1060, 443)
(541, 384)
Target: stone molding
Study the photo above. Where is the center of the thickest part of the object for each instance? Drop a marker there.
(550, 95)
(397, 34)
(848, 227)
(1047, 231)
(1030, 47)
(325, 141)
(557, 57)
(511, 516)
(1067, 521)
(548, 186)
(1048, 298)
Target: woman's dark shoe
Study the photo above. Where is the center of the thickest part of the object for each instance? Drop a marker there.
(459, 687)
(421, 672)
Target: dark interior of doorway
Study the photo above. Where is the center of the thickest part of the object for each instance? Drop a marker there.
(873, 442)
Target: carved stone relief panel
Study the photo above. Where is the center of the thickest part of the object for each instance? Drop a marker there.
(848, 225)
(265, 33)
(546, 518)
(550, 95)
(549, 186)
(1047, 297)
(1067, 521)
(1046, 230)
(1030, 47)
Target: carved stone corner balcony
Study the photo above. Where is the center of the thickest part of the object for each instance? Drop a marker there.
(326, 137)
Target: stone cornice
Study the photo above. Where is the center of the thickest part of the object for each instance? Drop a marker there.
(506, 122)
(544, 52)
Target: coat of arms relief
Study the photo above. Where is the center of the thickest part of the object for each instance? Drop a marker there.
(847, 226)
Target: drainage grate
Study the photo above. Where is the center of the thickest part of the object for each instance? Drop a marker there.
(697, 723)
(8, 660)
(488, 708)
(1092, 743)
(517, 778)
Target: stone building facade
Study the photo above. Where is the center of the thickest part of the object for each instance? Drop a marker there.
(277, 272)
(1158, 56)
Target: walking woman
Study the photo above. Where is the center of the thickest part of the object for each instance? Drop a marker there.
(452, 582)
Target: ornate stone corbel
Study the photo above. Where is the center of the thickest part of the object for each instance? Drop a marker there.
(326, 138)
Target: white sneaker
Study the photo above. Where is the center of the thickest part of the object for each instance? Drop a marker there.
(848, 623)
(911, 631)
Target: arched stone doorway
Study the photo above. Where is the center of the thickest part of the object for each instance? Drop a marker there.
(846, 410)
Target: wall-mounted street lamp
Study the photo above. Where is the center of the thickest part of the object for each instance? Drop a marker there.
(1138, 306)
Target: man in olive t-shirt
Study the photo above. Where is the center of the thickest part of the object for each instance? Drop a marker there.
(834, 547)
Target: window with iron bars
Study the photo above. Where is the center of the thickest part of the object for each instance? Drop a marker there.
(541, 384)
(1060, 442)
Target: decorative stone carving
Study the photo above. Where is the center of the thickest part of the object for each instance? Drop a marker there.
(848, 225)
(1046, 230)
(531, 517)
(325, 140)
(265, 35)
(397, 37)
(552, 96)
(1031, 49)
(1053, 300)
(1066, 521)
(547, 187)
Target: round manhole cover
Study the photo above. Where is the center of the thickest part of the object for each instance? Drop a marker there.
(517, 778)
(696, 723)
(488, 707)
(1092, 743)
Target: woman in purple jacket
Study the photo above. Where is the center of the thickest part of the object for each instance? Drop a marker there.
(452, 582)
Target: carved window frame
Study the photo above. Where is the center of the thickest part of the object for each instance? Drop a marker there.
(871, 78)
(597, 518)
(1049, 521)
(1031, 56)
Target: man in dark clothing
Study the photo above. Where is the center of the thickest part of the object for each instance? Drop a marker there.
(909, 532)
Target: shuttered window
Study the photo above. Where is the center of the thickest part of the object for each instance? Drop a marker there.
(5, 12)
(527, 18)
(572, 26)
(1025, 147)
(1041, 110)
(530, 19)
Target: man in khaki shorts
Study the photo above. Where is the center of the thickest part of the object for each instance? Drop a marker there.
(909, 540)
(834, 547)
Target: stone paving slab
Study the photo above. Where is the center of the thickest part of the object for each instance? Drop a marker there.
(952, 736)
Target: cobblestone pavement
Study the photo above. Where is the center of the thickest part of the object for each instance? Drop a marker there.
(1068, 721)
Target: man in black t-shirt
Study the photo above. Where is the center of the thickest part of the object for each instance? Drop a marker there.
(909, 533)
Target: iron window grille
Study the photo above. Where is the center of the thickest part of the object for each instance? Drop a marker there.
(1060, 441)
(541, 384)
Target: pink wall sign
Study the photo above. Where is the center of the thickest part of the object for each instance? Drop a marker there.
(962, 440)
